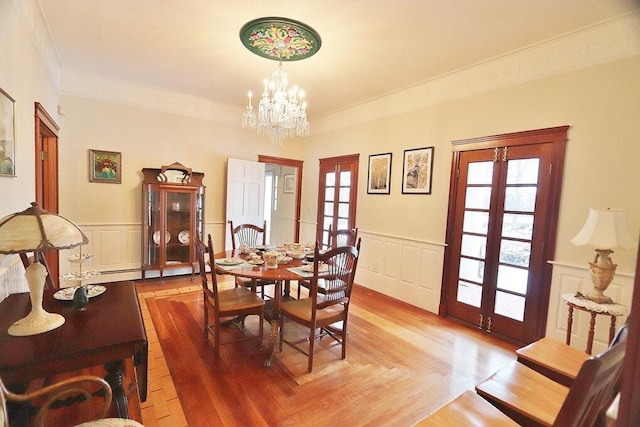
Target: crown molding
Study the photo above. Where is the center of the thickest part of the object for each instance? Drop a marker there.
(28, 11)
(605, 42)
(609, 41)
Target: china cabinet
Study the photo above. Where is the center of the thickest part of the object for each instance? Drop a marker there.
(172, 215)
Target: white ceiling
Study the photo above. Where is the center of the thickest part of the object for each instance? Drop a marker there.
(369, 47)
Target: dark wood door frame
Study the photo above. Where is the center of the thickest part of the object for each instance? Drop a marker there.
(46, 171)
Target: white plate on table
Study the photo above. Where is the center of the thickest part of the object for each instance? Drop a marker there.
(66, 294)
(229, 261)
(256, 262)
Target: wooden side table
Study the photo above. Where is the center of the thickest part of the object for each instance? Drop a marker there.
(583, 304)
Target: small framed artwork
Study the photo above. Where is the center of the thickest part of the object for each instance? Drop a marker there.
(417, 171)
(105, 166)
(289, 184)
(379, 181)
(7, 135)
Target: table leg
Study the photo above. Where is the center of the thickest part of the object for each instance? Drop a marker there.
(275, 323)
(592, 330)
(569, 325)
(115, 378)
(612, 328)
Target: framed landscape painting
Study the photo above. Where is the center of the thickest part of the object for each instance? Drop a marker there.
(417, 171)
(289, 183)
(379, 181)
(7, 135)
(105, 166)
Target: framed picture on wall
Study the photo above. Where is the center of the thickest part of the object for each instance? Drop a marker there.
(379, 181)
(417, 171)
(105, 166)
(7, 135)
(289, 184)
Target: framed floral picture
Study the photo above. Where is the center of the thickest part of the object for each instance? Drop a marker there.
(417, 171)
(379, 181)
(105, 166)
(7, 135)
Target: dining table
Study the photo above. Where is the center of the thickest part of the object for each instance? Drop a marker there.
(236, 263)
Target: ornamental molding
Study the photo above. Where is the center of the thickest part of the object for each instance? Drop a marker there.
(609, 41)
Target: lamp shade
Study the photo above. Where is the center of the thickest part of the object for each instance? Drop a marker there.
(35, 229)
(605, 229)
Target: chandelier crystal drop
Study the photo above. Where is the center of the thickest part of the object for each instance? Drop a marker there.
(281, 113)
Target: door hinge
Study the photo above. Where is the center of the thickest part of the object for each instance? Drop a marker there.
(44, 155)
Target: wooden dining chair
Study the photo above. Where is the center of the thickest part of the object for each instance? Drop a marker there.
(83, 400)
(530, 398)
(252, 236)
(335, 239)
(553, 359)
(223, 303)
(320, 310)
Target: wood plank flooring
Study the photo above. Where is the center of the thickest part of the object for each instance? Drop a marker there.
(402, 363)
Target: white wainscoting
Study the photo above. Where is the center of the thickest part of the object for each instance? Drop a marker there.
(12, 278)
(117, 252)
(409, 270)
(569, 279)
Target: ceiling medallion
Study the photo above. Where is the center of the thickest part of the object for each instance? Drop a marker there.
(280, 39)
(281, 112)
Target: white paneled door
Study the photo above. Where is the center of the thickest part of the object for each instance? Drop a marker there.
(245, 194)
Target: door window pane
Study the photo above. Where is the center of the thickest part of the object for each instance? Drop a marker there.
(328, 194)
(480, 173)
(515, 252)
(523, 171)
(469, 293)
(344, 194)
(518, 226)
(521, 199)
(345, 178)
(330, 180)
(343, 224)
(509, 305)
(343, 210)
(471, 269)
(477, 198)
(473, 246)
(475, 222)
(328, 208)
(513, 279)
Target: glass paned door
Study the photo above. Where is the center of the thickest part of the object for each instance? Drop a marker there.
(337, 195)
(498, 235)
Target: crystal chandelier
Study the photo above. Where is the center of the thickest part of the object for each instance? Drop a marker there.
(281, 112)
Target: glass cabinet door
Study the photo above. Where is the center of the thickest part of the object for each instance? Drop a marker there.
(153, 224)
(178, 231)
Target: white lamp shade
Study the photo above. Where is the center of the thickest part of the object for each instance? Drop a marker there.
(37, 230)
(605, 229)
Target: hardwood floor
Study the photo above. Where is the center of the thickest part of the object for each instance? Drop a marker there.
(402, 363)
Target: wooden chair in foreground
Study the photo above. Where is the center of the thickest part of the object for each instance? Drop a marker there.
(335, 239)
(468, 409)
(530, 398)
(553, 359)
(250, 235)
(236, 302)
(336, 268)
(81, 401)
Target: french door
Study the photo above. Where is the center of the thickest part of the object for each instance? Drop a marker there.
(337, 194)
(501, 231)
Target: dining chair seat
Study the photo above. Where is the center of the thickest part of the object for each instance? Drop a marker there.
(553, 359)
